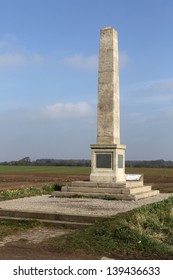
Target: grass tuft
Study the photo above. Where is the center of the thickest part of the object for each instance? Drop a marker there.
(26, 192)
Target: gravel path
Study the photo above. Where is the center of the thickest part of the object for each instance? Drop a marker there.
(77, 206)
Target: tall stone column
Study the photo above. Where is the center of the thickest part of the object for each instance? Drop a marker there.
(108, 129)
(108, 156)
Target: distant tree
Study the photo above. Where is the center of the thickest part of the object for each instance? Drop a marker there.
(25, 159)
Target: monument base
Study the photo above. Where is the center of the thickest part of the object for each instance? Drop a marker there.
(108, 179)
(131, 190)
(108, 163)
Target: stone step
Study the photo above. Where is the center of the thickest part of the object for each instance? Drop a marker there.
(49, 216)
(58, 224)
(137, 189)
(94, 195)
(146, 194)
(117, 196)
(91, 190)
(84, 189)
(96, 184)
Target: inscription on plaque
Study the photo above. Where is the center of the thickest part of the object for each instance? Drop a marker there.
(104, 160)
(120, 161)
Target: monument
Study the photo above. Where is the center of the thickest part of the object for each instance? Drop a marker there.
(108, 156)
(108, 178)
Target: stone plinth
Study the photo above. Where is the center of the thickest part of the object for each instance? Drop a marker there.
(105, 190)
(108, 163)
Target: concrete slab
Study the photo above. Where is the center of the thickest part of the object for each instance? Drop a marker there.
(76, 206)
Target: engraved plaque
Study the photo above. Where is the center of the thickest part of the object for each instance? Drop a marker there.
(104, 160)
(120, 161)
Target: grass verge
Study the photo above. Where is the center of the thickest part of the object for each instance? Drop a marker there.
(26, 192)
(9, 227)
(144, 233)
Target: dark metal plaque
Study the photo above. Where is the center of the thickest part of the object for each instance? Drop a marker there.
(120, 161)
(104, 160)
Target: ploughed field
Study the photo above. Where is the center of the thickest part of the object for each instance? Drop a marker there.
(12, 177)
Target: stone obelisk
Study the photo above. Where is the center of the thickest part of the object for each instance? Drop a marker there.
(107, 178)
(108, 156)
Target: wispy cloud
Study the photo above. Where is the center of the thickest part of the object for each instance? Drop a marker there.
(37, 58)
(158, 91)
(15, 59)
(20, 59)
(81, 61)
(67, 110)
(149, 103)
(124, 59)
(13, 54)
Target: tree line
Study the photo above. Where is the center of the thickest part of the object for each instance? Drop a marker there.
(150, 163)
(86, 162)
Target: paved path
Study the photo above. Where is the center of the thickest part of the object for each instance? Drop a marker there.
(76, 206)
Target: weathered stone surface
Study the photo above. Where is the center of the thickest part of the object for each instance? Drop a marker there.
(108, 129)
(107, 195)
(108, 148)
(106, 190)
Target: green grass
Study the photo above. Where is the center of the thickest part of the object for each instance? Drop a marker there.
(166, 172)
(80, 170)
(69, 170)
(9, 227)
(26, 192)
(146, 232)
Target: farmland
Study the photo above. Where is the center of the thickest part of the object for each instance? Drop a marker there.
(12, 177)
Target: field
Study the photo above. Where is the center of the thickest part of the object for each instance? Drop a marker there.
(12, 177)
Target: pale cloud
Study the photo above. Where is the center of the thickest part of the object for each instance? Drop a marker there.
(2, 44)
(67, 110)
(12, 59)
(37, 58)
(81, 61)
(20, 59)
(13, 54)
(123, 59)
(9, 43)
(159, 91)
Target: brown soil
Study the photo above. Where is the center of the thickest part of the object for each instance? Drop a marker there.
(25, 249)
(161, 183)
(22, 251)
(20, 180)
(30, 245)
(14, 181)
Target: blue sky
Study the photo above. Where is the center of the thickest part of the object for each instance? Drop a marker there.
(49, 71)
